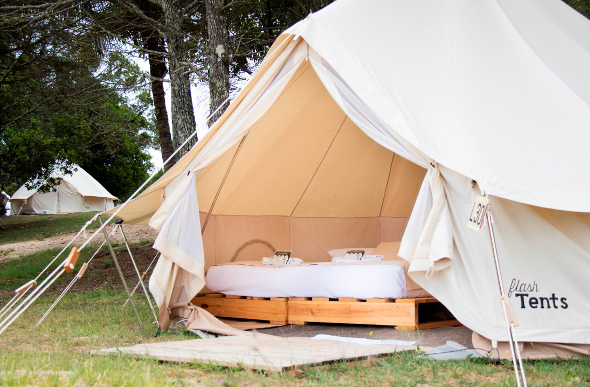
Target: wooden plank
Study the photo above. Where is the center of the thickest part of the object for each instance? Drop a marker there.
(249, 324)
(213, 295)
(417, 300)
(233, 296)
(439, 324)
(299, 298)
(380, 300)
(320, 299)
(258, 352)
(268, 310)
(351, 313)
(349, 300)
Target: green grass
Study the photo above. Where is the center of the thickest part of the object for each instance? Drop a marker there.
(16, 272)
(58, 352)
(37, 227)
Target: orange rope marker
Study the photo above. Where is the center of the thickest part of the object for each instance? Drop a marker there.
(26, 287)
(71, 260)
(82, 270)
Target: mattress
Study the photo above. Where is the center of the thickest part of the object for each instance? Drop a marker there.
(333, 280)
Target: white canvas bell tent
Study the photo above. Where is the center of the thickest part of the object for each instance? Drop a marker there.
(75, 192)
(326, 146)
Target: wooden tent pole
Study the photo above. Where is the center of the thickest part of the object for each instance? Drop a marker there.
(508, 314)
(223, 182)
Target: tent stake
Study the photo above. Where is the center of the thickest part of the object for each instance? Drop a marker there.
(515, 351)
(147, 297)
(106, 237)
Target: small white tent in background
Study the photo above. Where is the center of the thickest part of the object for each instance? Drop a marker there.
(77, 192)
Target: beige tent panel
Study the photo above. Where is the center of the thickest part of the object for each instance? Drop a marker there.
(263, 135)
(404, 182)
(392, 229)
(280, 46)
(209, 179)
(275, 182)
(304, 158)
(351, 180)
(307, 238)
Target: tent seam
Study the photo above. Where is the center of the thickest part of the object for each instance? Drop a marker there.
(263, 155)
(387, 184)
(319, 165)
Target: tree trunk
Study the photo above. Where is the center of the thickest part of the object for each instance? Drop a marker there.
(218, 56)
(158, 70)
(183, 116)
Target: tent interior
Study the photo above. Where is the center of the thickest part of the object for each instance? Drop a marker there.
(305, 179)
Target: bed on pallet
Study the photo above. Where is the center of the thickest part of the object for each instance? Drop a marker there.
(363, 292)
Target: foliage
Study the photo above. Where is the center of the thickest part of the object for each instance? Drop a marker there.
(582, 6)
(62, 101)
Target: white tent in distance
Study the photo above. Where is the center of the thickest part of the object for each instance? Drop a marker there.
(75, 192)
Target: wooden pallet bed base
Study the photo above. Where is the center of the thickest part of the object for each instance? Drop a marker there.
(273, 310)
(407, 313)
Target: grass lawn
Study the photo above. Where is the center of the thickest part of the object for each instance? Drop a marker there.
(36, 227)
(57, 354)
(92, 316)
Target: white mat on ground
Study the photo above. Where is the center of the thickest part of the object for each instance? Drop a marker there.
(452, 351)
(331, 280)
(363, 341)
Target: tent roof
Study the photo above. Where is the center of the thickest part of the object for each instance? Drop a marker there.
(85, 184)
(496, 90)
(306, 158)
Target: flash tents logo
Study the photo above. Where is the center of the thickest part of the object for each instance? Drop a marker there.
(527, 293)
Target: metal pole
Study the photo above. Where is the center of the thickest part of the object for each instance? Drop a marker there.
(106, 237)
(511, 340)
(147, 297)
(142, 276)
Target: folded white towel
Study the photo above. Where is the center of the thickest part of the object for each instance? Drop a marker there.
(281, 260)
(353, 258)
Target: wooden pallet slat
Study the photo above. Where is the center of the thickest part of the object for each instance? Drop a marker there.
(407, 314)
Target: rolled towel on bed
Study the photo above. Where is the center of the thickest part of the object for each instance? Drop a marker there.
(347, 258)
(282, 260)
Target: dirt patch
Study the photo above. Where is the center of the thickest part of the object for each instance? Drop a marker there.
(133, 234)
(102, 272)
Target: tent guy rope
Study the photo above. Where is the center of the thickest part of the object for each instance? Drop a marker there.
(73, 281)
(139, 276)
(143, 275)
(20, 292)
(66, 265)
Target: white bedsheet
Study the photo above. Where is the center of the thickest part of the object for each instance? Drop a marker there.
(327, 280)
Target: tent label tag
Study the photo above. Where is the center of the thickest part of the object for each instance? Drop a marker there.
(478, 213)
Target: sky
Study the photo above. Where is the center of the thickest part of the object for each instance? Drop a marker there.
(200, 95)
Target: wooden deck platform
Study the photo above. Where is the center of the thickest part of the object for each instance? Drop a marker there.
(408, 314)
(260, 352)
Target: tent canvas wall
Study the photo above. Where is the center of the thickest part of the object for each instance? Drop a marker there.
(76, 192)
(487, 96)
